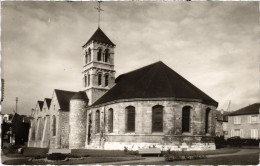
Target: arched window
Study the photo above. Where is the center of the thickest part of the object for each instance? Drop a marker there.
(99, 79)
(89, 54)
(97, 121)
(207, 120)
(99, 55)
(130, 119)
(186, 119)
(110, 120)
(106, 55)
(157, 118)
(88, 79)
(106, 80)
(53, 125)
(85, 81)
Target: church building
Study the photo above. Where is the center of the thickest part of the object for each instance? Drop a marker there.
(148, 107)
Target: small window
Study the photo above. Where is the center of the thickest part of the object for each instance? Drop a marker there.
(89, 54)
(207, 120)
(53, 125)
(99, 55)
(86, 58)
(106, 80)
(110, 120)
(85, 81)
(97, 121)
(130, 119)
(254, 133)
(88, 79)
(254, 119)
(237, 120)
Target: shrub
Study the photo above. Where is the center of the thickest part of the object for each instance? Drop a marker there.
(56, 156)
(183, 155)
(220, 142)
(234, 141)
(125, 149)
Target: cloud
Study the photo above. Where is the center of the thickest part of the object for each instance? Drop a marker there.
(213, 45)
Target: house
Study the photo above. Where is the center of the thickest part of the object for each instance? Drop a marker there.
(244, 122)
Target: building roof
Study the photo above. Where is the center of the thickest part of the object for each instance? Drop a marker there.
(48, 102)
(40, 104)
(63, 98)
(153, 81)
(81, 95)
(100, 36)
(251, 109)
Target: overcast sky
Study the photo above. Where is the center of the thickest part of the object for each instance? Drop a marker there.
(214, 45)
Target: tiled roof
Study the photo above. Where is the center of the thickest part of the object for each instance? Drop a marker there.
(81, 95)
(100, 36)
(63, 98)
(40, 104)
(154, 81)
(251, 109)
(48, 101)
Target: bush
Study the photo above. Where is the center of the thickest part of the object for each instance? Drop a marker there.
(220, 142)
(183, 155)
(237, 142)
(13, 149)
(56, 156)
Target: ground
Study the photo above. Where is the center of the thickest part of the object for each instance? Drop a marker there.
(224, 156)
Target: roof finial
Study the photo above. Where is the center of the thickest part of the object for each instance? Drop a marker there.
(99, 9)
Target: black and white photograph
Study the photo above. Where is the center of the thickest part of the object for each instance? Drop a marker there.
(130, 83)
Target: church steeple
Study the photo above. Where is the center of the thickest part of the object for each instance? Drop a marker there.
(98, 65)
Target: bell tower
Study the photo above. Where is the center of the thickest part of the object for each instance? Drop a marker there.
(98, 65)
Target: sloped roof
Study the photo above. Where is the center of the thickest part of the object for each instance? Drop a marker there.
(153, 81)
(251, 109)
(81, 95)
(100, 36)
(40, 104)
(63, 98)
(48, 101)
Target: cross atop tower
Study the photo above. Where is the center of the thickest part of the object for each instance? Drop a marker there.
(99, 9)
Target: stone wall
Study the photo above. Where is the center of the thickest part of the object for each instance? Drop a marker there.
(172, 124)
(77, 122)
(64, 129)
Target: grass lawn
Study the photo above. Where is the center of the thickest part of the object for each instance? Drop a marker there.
(88, 160)
(249, 159)
(222, 151)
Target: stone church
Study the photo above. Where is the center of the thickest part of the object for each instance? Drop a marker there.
(148, 107)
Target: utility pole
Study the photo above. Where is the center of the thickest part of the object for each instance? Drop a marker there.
(16, 104)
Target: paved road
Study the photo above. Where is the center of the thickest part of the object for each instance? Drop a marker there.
(150, 160)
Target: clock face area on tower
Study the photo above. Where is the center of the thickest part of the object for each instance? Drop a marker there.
(98, 65)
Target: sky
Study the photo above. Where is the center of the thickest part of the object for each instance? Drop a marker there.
(214, 45)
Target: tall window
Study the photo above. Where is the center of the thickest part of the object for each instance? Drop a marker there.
(99, 79)
(157, 118)
(106, 55)
(99, 55)
(53, 125)
(89, 54)
(110, 120)
(97, 121)
(186, 119)
(130, 119)
(207, 120)
(106, 80)
(88, 79)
